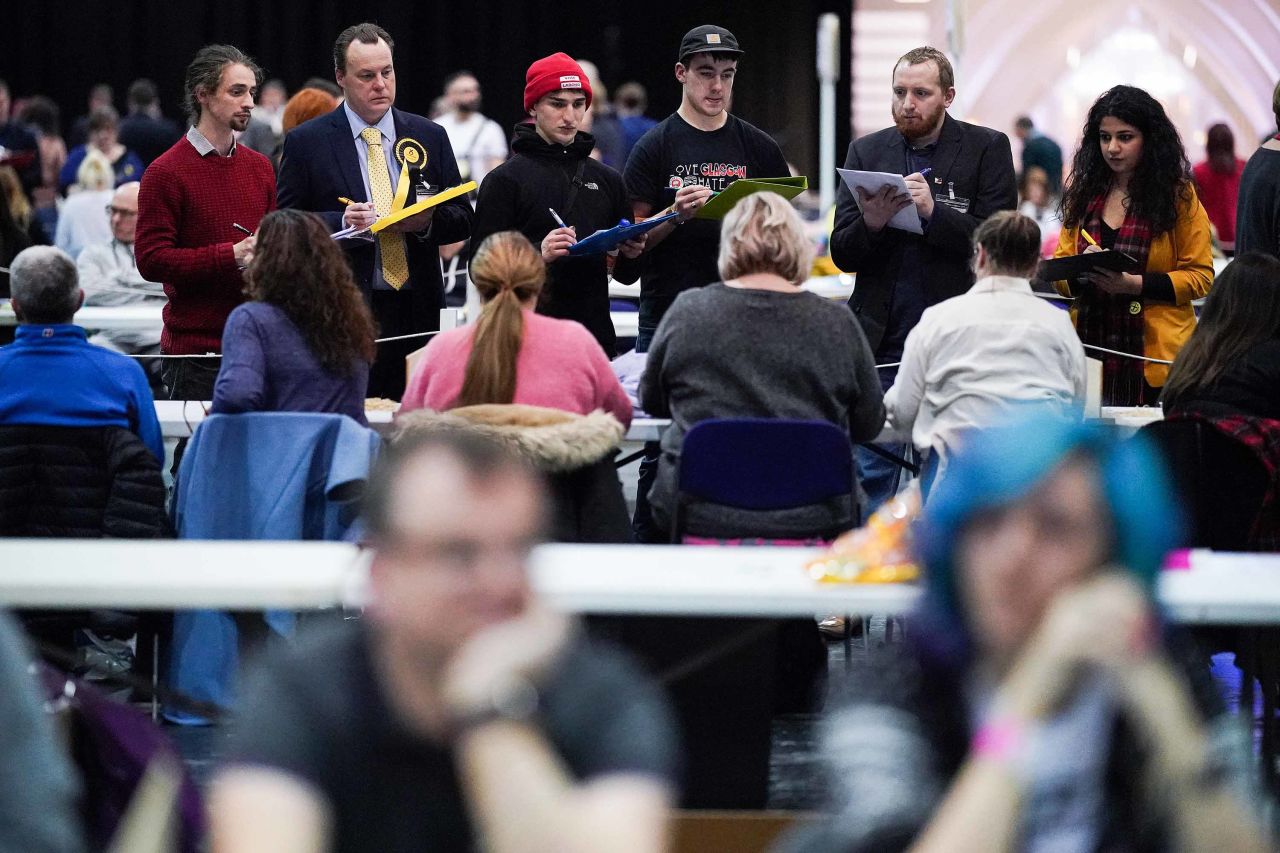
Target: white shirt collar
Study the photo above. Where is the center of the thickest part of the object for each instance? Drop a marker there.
(1001, 283)
(386, 125)
(202, 145)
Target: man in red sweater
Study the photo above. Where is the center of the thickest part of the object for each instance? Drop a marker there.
(194, 200)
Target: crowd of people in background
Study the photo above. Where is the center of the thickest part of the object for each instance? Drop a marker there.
(459, 708)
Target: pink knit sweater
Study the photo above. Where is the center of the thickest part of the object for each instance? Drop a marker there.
(560, 366)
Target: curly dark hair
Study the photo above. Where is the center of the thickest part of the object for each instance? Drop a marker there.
(298, 267)
(1162, 178)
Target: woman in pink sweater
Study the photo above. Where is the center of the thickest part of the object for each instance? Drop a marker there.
(512, 355)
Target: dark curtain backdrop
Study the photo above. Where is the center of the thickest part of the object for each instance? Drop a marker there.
(61, 47)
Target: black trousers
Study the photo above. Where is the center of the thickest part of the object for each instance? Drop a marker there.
(188, 379)
(400, 312)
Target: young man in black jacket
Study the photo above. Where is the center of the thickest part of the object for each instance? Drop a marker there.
(551, 170)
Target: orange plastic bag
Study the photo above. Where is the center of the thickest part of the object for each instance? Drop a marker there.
(878, 552)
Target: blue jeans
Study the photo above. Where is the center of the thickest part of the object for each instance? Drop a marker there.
(644, 337)
(880, 478)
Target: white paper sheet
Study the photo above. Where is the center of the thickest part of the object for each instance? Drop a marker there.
(872, 182)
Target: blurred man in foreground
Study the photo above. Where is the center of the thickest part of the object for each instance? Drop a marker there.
(459, 714)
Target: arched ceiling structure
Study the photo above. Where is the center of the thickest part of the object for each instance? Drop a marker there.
(1012, 53)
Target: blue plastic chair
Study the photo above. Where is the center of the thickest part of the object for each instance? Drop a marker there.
(765, 464)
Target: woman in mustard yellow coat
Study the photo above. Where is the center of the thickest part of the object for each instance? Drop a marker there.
(1130, 189)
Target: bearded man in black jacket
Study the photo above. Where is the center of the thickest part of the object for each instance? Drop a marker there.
(551, 170)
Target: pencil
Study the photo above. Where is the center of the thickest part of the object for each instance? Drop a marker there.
(345, 200)
(1087, 238)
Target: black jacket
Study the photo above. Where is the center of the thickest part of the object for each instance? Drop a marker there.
(972, 163)
(319, 165)
(520, 194)
(79, 482)
(148, 137)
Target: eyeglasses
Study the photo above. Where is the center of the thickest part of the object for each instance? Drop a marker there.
(112, 210)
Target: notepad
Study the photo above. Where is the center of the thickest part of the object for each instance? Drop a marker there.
(906, 219)
(1072, 267)
(724, 201)
(426, 204)
(609, 238)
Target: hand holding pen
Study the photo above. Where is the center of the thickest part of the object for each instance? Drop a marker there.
(920, 192)
(359, 214)
(557, 242)
(243, 250)
(690, 199)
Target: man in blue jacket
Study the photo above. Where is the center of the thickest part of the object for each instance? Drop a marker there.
(51, 375)
(346, 167)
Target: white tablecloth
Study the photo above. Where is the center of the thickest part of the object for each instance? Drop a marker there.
(1242, 589)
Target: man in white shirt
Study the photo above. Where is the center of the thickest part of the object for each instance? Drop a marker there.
(478, 143)
(109, 274)
(974, 358)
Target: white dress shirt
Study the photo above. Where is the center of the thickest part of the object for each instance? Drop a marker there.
(975, 358)
(109, 276)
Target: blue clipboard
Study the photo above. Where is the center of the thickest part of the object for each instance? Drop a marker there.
(604, 241)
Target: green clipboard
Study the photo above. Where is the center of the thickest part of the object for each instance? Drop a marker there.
(724, 201)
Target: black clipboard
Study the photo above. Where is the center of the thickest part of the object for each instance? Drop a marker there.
(1071, 267)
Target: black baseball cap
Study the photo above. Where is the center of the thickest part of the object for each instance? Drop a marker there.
(709, 38)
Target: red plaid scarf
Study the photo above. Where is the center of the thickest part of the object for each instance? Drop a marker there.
(1113, 321)
(1262, 436)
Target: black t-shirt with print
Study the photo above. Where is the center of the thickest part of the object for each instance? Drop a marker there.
(667, 157)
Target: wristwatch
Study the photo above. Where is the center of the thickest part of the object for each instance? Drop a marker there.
(514, 699)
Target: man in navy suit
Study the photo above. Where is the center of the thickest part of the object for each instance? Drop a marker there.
(957, 174)
(356, 153)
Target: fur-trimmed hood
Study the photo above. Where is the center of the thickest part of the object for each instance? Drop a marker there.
(550, 439)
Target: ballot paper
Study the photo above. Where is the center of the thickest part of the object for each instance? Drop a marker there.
(352, 231)
(872, 182)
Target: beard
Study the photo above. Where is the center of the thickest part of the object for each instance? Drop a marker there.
(468, 107)
(919, 126)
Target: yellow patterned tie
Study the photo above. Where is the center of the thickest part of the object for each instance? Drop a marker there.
(395, 268)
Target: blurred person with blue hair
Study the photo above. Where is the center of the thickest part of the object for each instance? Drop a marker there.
(1041, 702)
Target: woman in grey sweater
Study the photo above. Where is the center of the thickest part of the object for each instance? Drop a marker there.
(757, 346)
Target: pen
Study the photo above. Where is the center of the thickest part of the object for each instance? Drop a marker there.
(240, 227)
(346, 200)
(557, 218)
(924, 173)
(1088, 239)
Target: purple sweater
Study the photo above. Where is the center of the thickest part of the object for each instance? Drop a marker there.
(268, 367)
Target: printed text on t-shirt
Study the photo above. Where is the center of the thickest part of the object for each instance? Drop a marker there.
(714, 175)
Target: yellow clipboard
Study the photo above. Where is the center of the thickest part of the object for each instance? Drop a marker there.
(398, 213)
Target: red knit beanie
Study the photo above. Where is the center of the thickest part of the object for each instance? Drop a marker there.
(551, 73)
